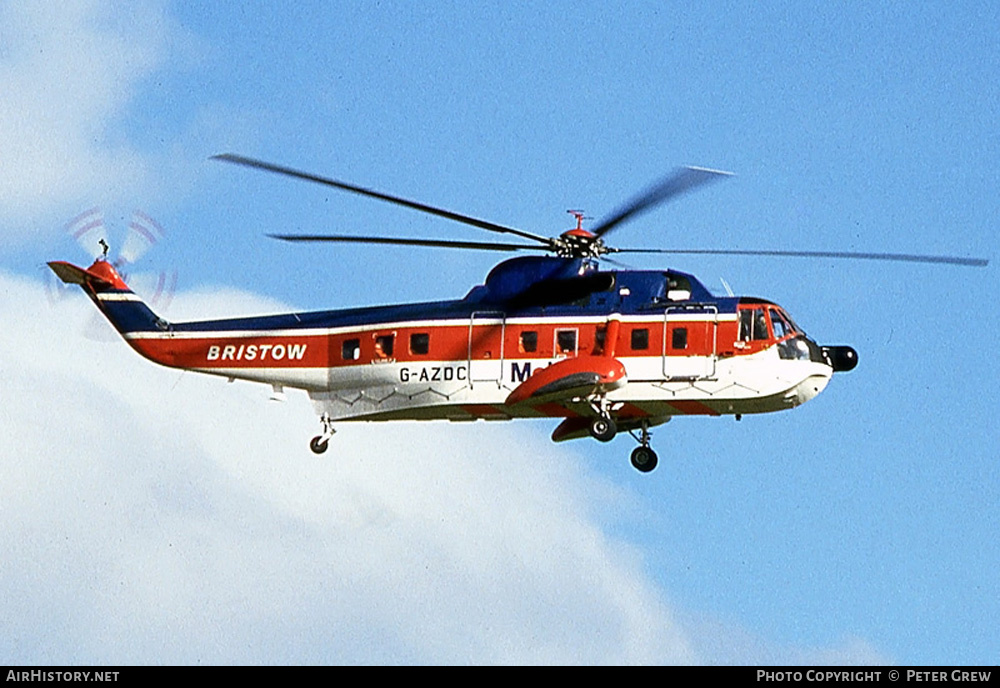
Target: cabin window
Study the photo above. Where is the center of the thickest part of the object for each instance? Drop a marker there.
(384, 345)
(640, 339)
(566, 342)
(528, 342)
(679, 338)
(350, 350)
(600, 339)
(420, 343)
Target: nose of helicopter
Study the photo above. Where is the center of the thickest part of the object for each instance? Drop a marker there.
(807, 389)
(840, 358)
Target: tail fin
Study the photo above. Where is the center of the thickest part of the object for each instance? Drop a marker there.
(119, 304)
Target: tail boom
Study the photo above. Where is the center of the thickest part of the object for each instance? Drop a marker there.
(264, 349)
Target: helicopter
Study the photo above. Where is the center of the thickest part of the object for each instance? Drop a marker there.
(607, 350)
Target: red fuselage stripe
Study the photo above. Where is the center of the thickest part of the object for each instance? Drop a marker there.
(413, 344)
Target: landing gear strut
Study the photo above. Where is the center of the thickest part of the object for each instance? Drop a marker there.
(603, 428)
(643, 457)
(320, 443)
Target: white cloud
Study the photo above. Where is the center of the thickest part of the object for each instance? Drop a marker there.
(67, 72)
(152, 516)
(726, 643)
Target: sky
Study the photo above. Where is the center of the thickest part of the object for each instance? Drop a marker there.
(155, 517)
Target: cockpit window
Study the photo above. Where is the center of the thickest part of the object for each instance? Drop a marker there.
(753, 324)
(778, 323)
(759, 324)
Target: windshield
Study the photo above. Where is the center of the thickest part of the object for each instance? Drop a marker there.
(791, 323)
(780, 324)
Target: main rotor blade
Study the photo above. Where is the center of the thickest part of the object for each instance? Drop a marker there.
(440, 212)
(677, 182)
(440, 243)
(902, 257)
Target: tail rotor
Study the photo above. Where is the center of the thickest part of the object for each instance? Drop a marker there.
(141, 234)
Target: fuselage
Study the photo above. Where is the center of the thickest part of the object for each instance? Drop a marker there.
(683, 350)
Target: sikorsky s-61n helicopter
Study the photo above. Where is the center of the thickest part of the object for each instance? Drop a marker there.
(546, 336)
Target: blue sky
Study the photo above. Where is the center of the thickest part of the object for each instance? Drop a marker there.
(157, 517)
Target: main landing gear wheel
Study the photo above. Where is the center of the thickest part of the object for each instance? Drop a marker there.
(603, 429)
(644, 459)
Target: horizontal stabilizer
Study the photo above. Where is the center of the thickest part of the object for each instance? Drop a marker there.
(68, 273)
(101, 275)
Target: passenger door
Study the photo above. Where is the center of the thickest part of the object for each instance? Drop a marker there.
(690, 342)
(486, 341)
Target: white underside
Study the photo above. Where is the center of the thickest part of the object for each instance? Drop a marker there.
(757, 383)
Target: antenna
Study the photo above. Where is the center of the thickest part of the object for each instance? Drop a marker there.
(580, 217)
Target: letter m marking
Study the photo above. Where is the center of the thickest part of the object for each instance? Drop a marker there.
(520, 374)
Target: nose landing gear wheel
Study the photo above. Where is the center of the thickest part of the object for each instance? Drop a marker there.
(644, 459)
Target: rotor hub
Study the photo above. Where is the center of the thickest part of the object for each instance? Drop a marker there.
(579, 243)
